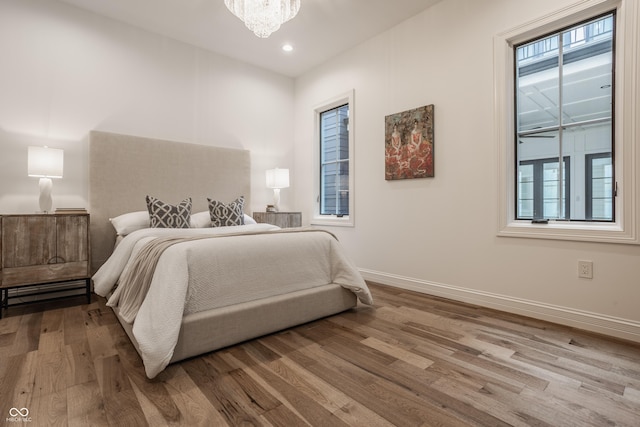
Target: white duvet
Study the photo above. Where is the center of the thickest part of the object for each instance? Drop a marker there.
(210, 273)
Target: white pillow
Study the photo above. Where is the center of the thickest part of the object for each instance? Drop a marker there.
(203, 220)
(130, 222)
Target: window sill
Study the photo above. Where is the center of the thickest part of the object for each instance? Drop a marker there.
(333, 221)
(572, 231)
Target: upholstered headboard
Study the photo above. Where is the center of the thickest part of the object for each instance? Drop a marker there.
(123, 169)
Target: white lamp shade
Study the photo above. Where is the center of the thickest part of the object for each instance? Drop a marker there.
(277, 178)
(45, 162)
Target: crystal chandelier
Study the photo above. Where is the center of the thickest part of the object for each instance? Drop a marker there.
(263, 17)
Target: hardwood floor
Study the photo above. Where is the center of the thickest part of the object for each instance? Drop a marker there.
(412, 360)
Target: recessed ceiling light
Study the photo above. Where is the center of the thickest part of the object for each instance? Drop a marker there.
(287, 47)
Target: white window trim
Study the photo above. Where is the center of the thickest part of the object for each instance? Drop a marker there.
(627, 149)
(334, 220)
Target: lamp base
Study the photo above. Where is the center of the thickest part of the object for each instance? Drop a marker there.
(45, 195)
(276, 199)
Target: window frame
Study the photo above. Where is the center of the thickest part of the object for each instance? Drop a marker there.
(346, 98)
(624, 228)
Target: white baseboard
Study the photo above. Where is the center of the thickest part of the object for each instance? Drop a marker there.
(594, 322)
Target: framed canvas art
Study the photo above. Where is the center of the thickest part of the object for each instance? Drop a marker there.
(409, 144)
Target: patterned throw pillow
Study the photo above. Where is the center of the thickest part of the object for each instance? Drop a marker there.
(163, 215)
(224, 215)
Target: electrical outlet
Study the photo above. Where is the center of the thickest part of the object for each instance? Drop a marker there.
(585, 269)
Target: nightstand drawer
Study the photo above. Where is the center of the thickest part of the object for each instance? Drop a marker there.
(16, 276)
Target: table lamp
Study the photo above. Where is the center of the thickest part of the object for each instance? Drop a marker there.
(277, 179)
(45, 163)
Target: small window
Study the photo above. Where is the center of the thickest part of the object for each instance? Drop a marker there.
(538, 189)
(334, 162)
(599, 187)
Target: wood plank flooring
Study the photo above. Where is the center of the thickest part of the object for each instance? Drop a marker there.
(411, 360)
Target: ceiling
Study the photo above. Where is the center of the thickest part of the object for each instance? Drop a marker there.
(322, 29)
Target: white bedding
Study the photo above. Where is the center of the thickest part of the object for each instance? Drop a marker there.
(210, 273)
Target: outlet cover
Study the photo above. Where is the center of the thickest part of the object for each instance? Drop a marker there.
(585, 269)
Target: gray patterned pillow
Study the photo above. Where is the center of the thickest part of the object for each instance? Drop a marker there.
(224, 215)
(163, 215)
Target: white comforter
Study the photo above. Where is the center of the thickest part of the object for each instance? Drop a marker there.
(182, 282)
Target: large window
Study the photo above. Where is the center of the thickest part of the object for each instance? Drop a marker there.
(564, 85)
(566, 103)
(334, 162)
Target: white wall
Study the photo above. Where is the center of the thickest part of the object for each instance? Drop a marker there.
(438, 235)
(66, 71)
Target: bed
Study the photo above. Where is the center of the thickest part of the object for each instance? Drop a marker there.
(212, 286)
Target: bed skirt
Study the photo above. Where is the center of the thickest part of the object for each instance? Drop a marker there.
(214, 329)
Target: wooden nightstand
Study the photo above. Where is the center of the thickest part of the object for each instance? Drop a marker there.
(281, 219)
(41, 250)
